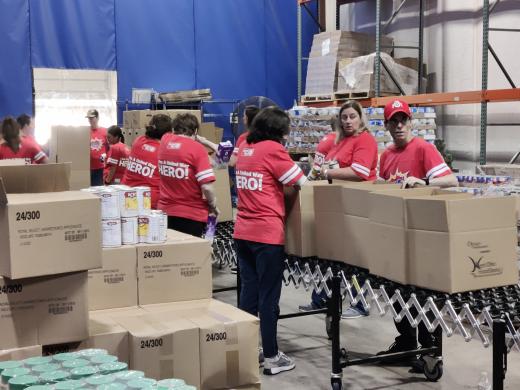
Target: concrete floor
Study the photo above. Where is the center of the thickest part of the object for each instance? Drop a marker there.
(305, 340)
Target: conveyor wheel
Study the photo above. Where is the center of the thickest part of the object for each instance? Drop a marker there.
(433, 374)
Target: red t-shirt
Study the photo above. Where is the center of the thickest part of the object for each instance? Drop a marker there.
(323, 148)
(117, 156)
(262, 170)
(418, 159)
(242, 138)
(184, 167)
(98, 146)
(141, 169)
(29, 150)
(358, 152)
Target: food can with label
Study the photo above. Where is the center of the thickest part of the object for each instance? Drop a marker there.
(143, 227)
(109, 202)
(144, 199)
(127, 200)
(111, 232)
(156, 227)
(129, 228)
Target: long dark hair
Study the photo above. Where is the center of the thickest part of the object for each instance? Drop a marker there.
(11, 133)
(185, 124)
(271, 123)
(160, 124)
(115, 131)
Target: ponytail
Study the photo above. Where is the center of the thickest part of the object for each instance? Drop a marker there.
(11, 133)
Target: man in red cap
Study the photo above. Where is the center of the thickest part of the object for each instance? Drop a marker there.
(411, 160)
(98, 148)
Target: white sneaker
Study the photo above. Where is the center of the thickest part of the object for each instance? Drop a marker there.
(278, 364)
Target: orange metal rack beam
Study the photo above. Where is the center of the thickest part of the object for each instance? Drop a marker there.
(438, 99)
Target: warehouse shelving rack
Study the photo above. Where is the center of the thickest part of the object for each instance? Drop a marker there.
(483, 96)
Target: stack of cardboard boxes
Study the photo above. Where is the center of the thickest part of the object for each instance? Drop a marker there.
(426, 237)
(150, 305)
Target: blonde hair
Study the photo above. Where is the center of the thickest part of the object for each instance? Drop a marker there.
(340, 134)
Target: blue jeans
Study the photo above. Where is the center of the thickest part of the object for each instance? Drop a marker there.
(261, 269)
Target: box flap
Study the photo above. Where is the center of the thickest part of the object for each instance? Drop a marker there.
(36, 178)
(48, 197)
(355, 197)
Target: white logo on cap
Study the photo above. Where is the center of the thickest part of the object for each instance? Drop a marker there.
(397, 104)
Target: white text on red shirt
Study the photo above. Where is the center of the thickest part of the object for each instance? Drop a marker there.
(247, 180)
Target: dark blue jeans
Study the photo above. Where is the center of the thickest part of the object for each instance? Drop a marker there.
(96, 177)
(261, 268)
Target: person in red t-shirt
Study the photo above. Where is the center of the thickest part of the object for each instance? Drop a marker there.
(249, 115)
(354, 155)
(98, 148)
(142, 168)
(324, 147)
(14, 146)
(263, 168)
(117, 157)
(186, 177)
(414, 162)
(411, 160)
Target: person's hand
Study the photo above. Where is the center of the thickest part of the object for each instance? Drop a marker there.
(103, 157)
(412, 182)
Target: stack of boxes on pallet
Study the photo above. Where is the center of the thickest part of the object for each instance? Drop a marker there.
(427, 237)
(148, 304)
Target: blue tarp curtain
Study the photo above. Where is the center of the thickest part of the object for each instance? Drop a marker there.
(238, 48)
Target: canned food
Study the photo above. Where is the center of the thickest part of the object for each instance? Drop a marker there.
(111, 232)
(109, 203)
(144, 199)
(156, 227)
(127, 201)
(143, 227)
(129, 229)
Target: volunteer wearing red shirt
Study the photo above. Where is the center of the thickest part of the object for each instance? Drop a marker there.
(263, 168)
(14, 146)
(324, 147)
(249, 114)
(117, 157)
(186, 177)
(98, 148)
(142, 168)
(414, 162)
(411, 160)
(355, 149)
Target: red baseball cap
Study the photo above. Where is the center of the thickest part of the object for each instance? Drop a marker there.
(395, 106)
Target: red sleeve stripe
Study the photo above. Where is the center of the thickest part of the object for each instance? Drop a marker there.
(437, 171)
(206, 176)
(291, 174)
(360, 169)
(39, 156)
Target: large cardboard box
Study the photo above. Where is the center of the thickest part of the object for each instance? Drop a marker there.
(20, 353)
(223, 194)
(300, 235)
(463, 261)
(164, 346)
(115, 284)
(49, 233)
(228, 341)
(44, 310)
(211, 132)
(72, 144)
(357, 240)
(177, 270)
(330, 244)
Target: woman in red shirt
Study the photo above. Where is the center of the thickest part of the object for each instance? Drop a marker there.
(14, 146)
(263, 168)
(117, 157)
(142, 169)
(186, 177)
(354, 156)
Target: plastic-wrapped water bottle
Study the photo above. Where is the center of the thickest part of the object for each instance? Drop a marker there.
(483, 383)
(211, 227)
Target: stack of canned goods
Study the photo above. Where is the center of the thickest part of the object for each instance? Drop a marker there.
(127, 217)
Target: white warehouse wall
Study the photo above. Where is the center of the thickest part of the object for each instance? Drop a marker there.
(453, 54)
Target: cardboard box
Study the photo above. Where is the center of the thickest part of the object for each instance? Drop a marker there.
(21, 179)
(357, 240)
(223, 194)
(115, 284)
(49, 233)
(300, 235)
(449, 213)
(463, 261)
(44, 310)
(388, 252)
(164, 346)
(139, 119)
(72, 144)
(177, 270)
(211, 132)
(328, 198)
(228, 341)
(20, 353)
(330, 240)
